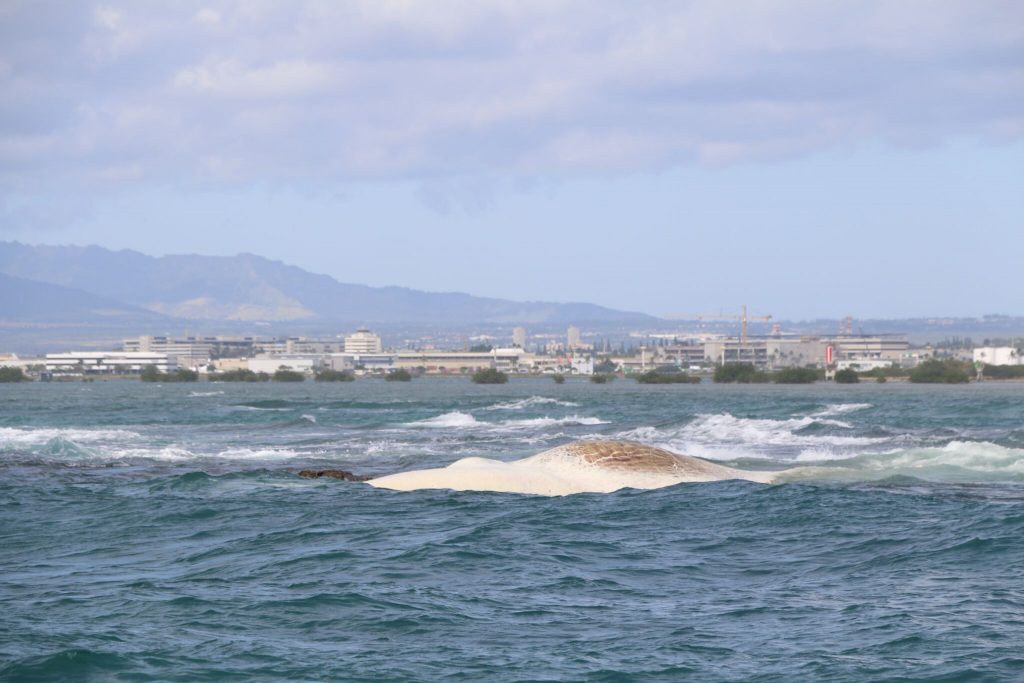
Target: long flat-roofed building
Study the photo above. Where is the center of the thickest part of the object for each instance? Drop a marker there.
(444, 361)
(271, 364)
(108, 362)
(725, 351)
(885, 347)
(187, 352)
(453, 362)
(192, 351)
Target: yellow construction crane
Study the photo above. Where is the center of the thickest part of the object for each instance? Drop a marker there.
(743, 318)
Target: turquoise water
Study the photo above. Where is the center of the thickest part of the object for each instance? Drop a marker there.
(158, 533)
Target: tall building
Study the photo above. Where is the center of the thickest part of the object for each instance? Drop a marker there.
(573, 337)
(519, 337)
(363, 341)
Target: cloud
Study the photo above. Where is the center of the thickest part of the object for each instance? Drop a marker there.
(231, 79)
(325, 93)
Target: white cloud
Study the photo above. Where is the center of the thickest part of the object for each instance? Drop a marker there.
(107, 17)
(313, 92)
(207, 16)
(230, 78)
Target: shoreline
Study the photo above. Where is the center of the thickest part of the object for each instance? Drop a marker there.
(573, 379)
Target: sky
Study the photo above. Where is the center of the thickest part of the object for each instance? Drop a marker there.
(805, 158)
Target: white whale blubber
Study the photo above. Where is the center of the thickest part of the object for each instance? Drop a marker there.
(579, 467)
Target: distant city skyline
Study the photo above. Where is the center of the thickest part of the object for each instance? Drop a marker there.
(806, 159)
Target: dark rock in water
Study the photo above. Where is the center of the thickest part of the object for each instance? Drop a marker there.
(344, 475)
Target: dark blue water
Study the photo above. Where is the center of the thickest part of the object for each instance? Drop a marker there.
(159, 533)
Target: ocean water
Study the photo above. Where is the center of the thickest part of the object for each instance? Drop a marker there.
(158, 532)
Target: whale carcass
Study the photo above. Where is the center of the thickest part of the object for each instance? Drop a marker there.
(578, 467)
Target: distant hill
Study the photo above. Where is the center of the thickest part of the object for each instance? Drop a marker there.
(30, 301)
(252, 288)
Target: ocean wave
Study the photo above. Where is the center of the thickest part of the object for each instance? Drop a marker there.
(726, 437)
(542, 422)
(71, 454)
(196, 394)
(454, 419)
(841, 409)
(957, 461)
(275, 405)
(531, 401)
(460, 420)
(27, 436)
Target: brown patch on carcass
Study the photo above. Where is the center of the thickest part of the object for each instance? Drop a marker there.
(628, 455)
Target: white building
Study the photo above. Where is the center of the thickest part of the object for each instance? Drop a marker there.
(360, 362)
(271, 364)
(583, 365)
(998, 355)
(863, 364)
(507, 360)
(108, 362)
(363, 341)
(11, 360)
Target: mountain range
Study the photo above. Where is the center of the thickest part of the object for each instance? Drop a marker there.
(69, 284)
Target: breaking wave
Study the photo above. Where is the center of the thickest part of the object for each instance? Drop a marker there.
(957, 461)
(15, 437)
(454, 419)
(68, 453)
(727, 437)
(841, 409)
(531, 401)
(460, 420)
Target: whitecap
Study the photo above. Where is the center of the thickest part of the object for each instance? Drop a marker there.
(841, 409)
(726, 437)
(33, 436)
(453, 419)
(531, 401)
(460, 420)
(957, 461)
(542, 422)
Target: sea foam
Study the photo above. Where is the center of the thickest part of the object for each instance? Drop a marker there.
(724, 436)
(531, 401)
(460, 420)
(955, 462)
(16, 436)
